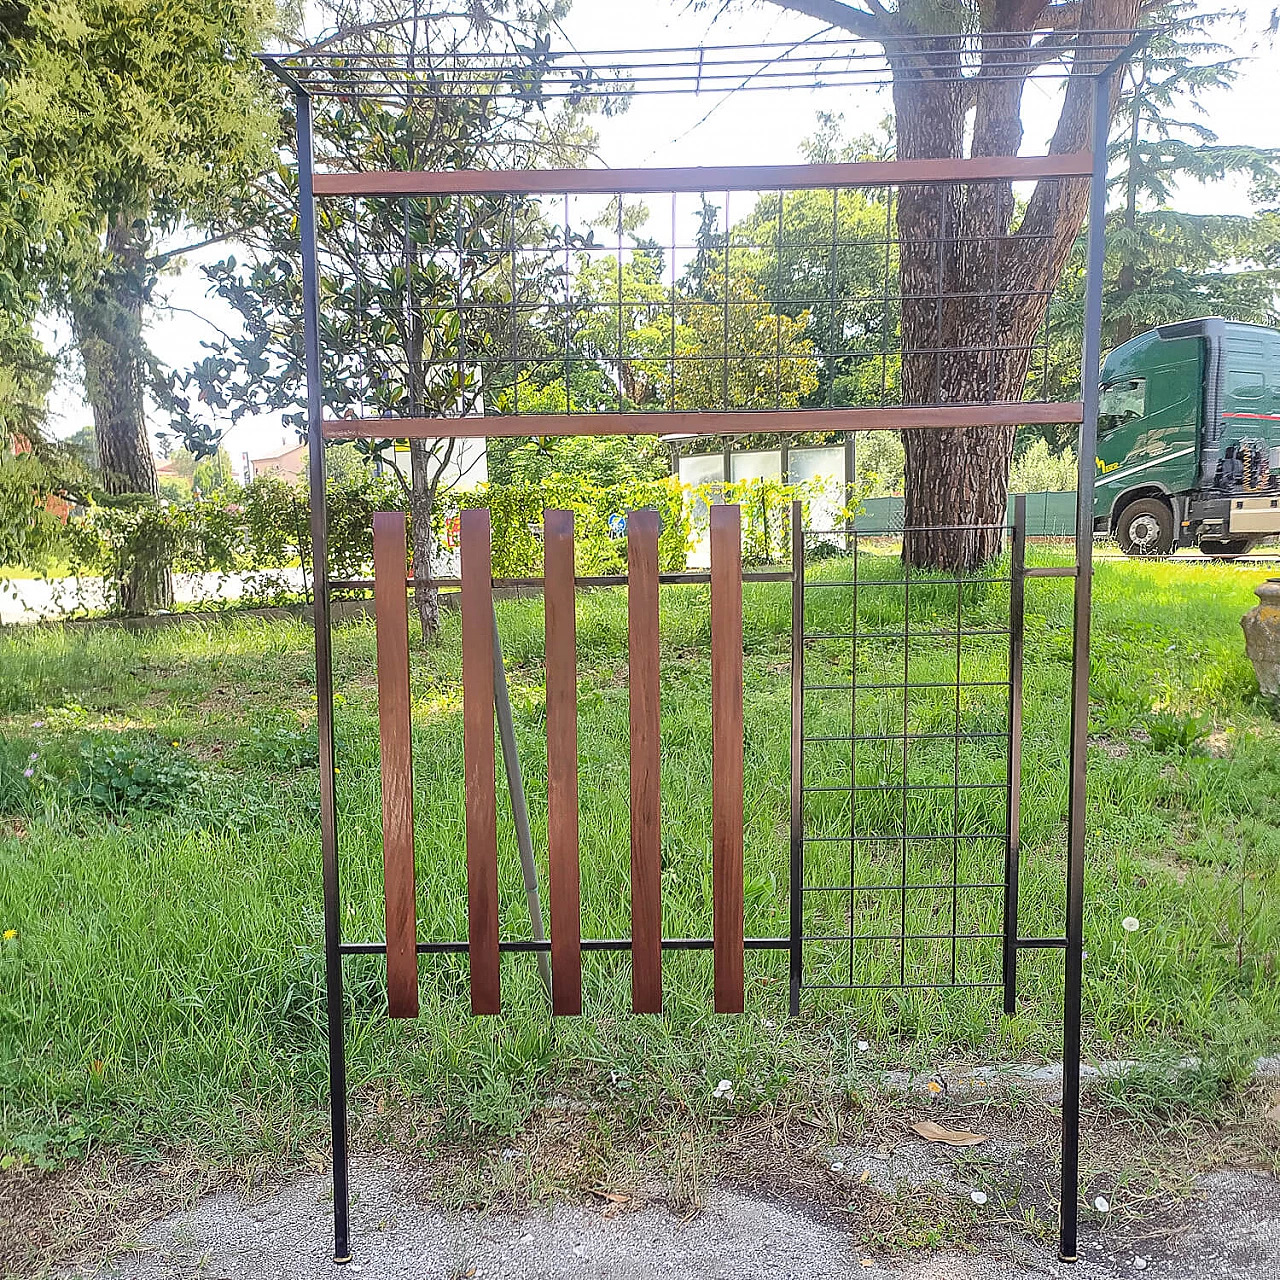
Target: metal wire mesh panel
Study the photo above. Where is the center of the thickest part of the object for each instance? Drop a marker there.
(569, 303)
(540, 75)
(905, 739)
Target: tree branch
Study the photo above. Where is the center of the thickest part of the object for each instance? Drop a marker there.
(864, 25)
(159, 259)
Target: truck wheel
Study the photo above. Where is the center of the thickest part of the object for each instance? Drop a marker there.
(1226, 548)
(1145, 528)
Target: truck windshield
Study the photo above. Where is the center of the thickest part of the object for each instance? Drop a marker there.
(1121, 402)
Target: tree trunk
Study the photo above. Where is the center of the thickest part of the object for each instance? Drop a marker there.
(956, 241)
(952, 353)
(107, 324)
(421, 497)
(975, 290)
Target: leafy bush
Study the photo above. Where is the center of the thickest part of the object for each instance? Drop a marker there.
(516, 512)
(28, 529)
(260, 529)
(125, 775)
(281, 747)
(1116, 705)
(1170, 731)
(1040, 470)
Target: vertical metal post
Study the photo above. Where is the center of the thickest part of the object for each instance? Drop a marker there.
(1089, 371)
(519, 804)
(795, 893)
(1012, 856)
(324, 679)
(850, 469)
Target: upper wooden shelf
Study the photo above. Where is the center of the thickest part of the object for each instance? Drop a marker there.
(709, 423)
(868, 173)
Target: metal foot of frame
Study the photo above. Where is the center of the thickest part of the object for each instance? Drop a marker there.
(341, 1260)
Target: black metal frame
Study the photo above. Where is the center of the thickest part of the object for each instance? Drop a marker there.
(896, 830)
(1071, 943)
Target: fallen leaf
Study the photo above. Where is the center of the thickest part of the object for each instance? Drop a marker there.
(614, 1197)
(931, 1132)
(1272, 1113)
(864, 1175)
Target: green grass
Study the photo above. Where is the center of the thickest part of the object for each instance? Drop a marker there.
(164, 987)
(55, 568)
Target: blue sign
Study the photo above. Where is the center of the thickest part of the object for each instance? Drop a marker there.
(618, 525)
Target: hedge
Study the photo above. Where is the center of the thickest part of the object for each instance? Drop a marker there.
(265, 527)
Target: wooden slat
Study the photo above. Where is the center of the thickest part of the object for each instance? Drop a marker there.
(562, 762)
(392, 612)
(695, 179)
(646, 842)
(479, 761)
(682, 422)
(726, 756)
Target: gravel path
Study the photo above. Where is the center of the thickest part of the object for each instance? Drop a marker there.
(1233, 1231)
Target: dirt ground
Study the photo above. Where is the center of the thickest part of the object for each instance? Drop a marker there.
(789, 1191)
(1231, 1229)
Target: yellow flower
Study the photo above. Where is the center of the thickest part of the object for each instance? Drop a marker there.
(934, 1087)
(10, 934)
(175, 742)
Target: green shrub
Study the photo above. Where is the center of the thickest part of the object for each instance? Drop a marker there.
(1170, 731)
(280, 747)
(260, 529)
(124, 775)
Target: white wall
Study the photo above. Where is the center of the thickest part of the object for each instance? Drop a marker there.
(810, 463)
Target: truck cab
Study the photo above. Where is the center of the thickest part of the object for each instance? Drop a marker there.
(1189, 439)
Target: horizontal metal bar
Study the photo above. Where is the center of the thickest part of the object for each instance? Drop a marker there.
(897, 838)
(596, 580)
(898, 937)
(699, 178)
(902, 635)
(588, 944)
(893, 533)
(917, 786)
(1041, 944)
(896, 888)
(1051, 571)
(899, 685)
(907, 737)
(693, 422)
(900, 986)
(869, 583)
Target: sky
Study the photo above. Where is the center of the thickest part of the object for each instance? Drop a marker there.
(743, 128)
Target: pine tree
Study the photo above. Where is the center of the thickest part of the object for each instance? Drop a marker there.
(1163, 264)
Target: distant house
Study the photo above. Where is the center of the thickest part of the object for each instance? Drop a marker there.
(290, 465)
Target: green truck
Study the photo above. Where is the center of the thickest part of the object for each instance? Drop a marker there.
(1189, 439)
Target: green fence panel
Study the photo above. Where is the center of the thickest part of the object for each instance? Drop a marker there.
(1049, 515)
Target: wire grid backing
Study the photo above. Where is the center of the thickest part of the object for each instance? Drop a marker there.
(443, 63)
(905, 754)
(735, 301)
